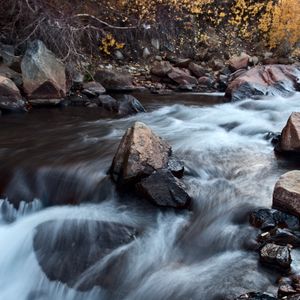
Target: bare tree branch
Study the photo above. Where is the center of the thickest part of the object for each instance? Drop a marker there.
(103, 22)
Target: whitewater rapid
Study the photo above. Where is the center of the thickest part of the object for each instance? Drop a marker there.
(200, 254)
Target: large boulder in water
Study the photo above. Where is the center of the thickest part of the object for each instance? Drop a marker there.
(286, 196)
(71, 251)
(140, 153)
(269, 80)
(144, 164)
(163, 189)
(290, 136)
(10, 97)
(113, 80)
(43, 74)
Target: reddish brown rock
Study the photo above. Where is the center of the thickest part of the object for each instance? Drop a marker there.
(140, 153)
(43, 74)
(10, 97)
(286, 196)
(161, 68)
(290, 136)
(197, 70)
(268, 80)
(181, 77)
(114, 80)
(238, 62)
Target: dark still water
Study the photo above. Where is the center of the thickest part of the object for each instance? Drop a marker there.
(51, 158)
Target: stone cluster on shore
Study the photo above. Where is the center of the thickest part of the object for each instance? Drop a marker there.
(38, 78)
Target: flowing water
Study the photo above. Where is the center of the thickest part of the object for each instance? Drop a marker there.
(51, 157)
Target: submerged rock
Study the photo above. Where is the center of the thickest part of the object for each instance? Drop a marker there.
(43, 74)
(163, 189)
(290, 136)
(67, 249)
(10, 97)
(140, 153)
(268, 80)
(276, 256)
(286, 196)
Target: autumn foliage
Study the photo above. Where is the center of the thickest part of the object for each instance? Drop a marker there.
(73, 28)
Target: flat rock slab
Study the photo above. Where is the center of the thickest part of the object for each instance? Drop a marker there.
(66, 249)
(286, 196)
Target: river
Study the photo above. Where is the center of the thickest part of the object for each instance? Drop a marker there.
(51, 157)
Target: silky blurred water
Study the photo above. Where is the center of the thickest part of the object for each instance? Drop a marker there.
(53, 157)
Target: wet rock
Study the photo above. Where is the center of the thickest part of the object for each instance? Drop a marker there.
(107, 102)
(140, 153)
(10, 97)
(238, 62)
(290, 136)
(276, 256)
(129, 105)
(163, 189)
(256, 296)
(176, 166)
(289, 288)
(161, 68)
(286, 196)
(114, 80)
(268, 80)
(66, 249)
(93, 89)
(182, 78)
(281, 237)
(267, 219)
(197, 70)
(43, 74)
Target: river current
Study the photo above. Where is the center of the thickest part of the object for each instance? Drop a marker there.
(51, 159)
